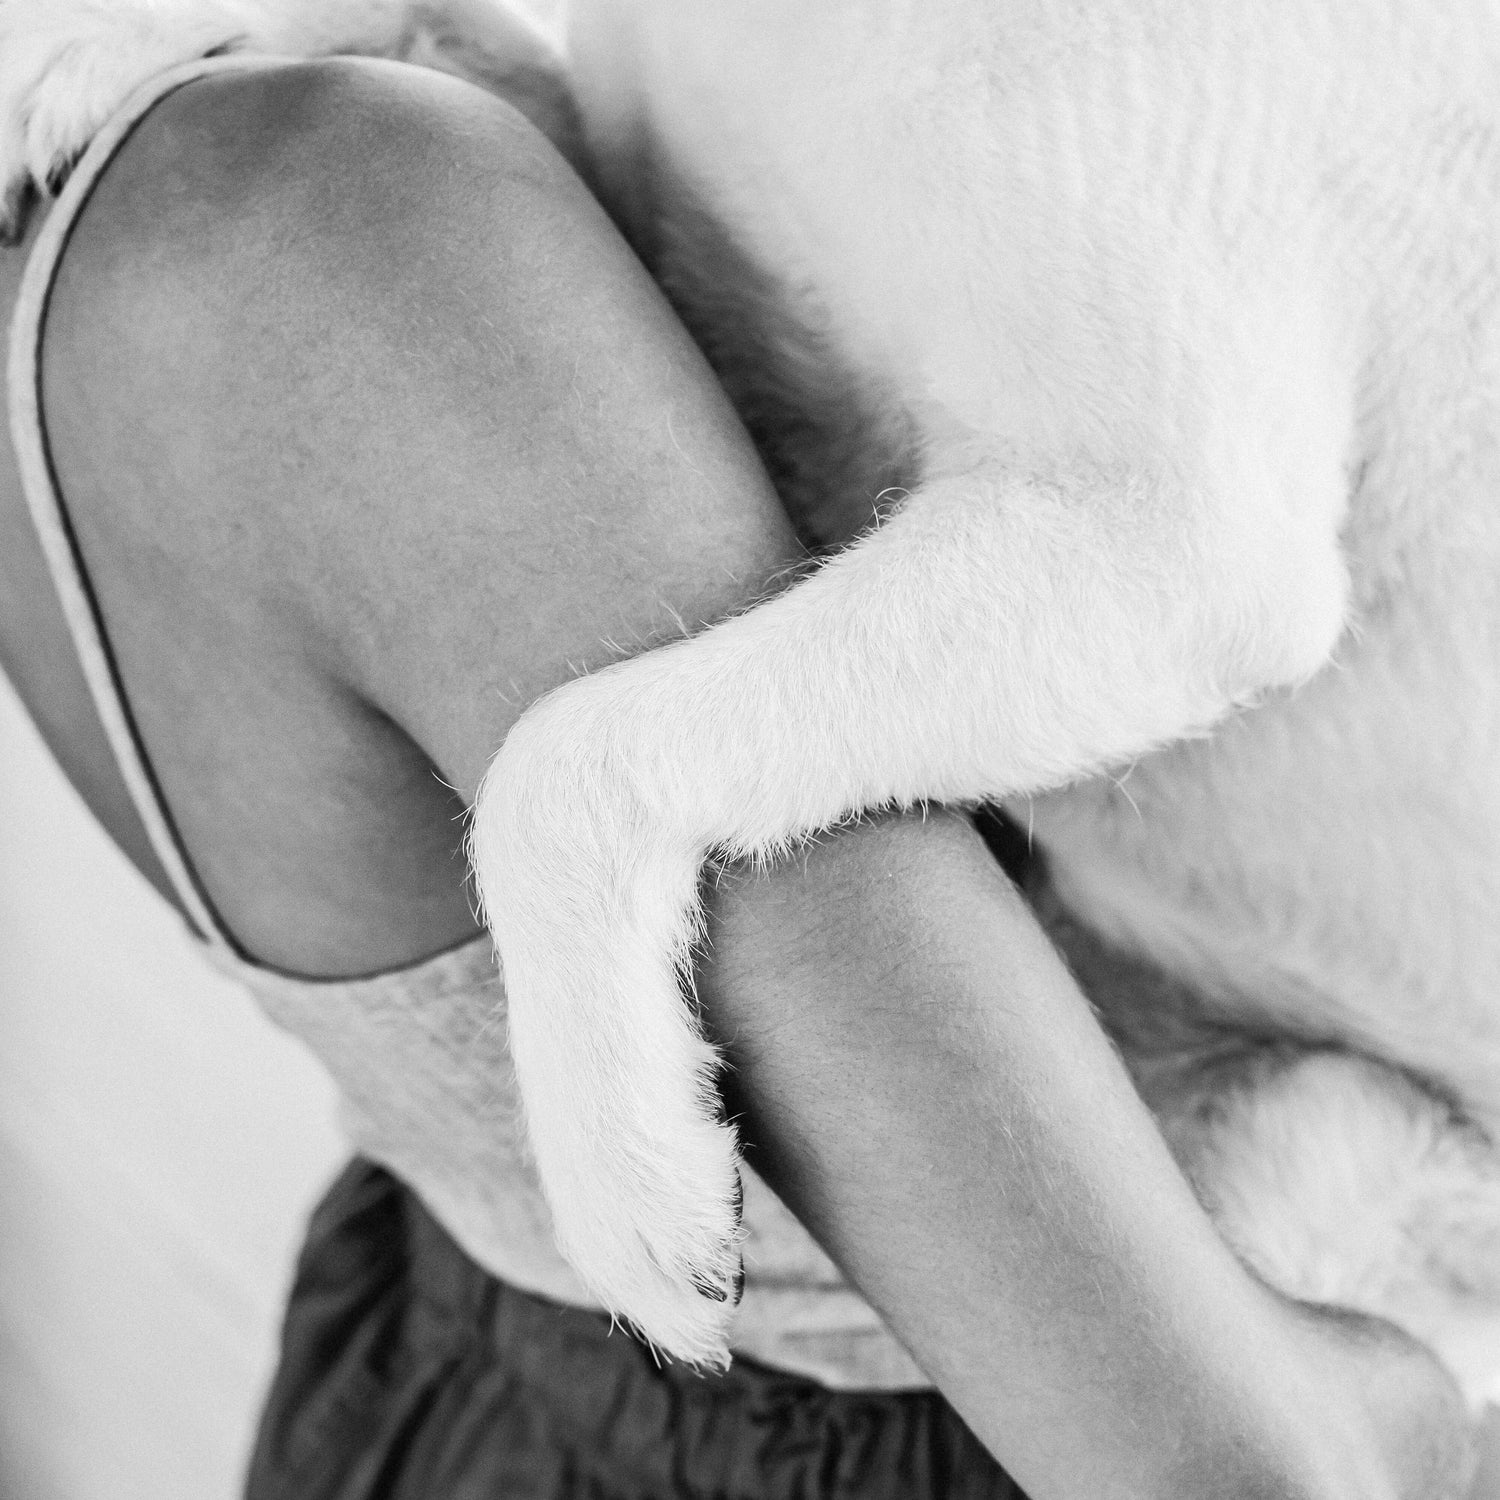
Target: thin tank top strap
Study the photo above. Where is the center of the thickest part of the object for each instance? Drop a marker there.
(49, 511)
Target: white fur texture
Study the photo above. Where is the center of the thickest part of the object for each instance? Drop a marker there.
(67, 65)
(1397, 1201)
(1191, 312)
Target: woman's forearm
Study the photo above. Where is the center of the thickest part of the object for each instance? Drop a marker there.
(927, 1087)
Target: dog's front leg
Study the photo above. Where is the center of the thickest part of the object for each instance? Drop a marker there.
(999, 633)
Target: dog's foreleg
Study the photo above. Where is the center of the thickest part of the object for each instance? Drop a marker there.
(998, 634)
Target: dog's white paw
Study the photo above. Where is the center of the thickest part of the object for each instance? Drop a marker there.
(593, 901)
(67, 65)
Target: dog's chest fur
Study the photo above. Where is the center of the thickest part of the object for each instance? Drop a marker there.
(1328, 862)
(836, 441)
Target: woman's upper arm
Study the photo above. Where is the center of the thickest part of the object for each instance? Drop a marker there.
(430, 422)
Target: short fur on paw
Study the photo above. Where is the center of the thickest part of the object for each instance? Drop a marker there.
(67, 65)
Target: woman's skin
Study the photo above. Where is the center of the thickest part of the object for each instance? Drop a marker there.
(373, 431)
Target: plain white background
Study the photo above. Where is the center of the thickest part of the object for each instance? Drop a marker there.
(160, 1145)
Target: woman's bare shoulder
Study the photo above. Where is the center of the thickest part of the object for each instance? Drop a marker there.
(192, 348)
(372, 430)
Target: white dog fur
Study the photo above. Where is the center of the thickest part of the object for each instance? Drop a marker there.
(1180, 324)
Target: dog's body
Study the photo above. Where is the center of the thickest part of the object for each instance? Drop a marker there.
(1165, 340)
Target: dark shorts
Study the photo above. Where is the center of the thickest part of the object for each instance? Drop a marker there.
(407, 1373)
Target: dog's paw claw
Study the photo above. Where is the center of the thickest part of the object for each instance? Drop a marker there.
(707, 1288)
(57, 177)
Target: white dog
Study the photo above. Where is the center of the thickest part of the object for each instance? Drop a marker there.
(1173, 329)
